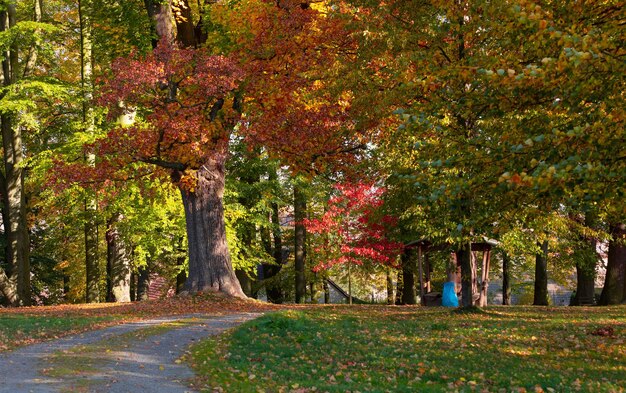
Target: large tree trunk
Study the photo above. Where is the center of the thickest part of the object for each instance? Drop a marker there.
(15, 282)
(300, 242)
(541, 276)
(118, 264)
(506, 279)
(614, 290)
(468, 275)
(210, 268)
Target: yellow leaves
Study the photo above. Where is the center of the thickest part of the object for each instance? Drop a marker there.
(189, 180)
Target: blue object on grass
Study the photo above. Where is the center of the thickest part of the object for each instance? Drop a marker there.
(449, 298)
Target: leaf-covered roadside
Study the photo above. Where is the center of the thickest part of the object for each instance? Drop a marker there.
(29, 325)
(372, 349)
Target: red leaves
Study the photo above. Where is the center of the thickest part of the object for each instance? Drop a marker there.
(605, 331)
(184, 101)
(353, 231)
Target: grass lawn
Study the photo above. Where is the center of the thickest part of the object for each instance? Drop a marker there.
(410, 349)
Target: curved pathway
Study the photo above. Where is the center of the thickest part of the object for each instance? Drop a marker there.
(133, 357)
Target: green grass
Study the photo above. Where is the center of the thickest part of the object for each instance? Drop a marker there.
(379, 349)
(21, 329)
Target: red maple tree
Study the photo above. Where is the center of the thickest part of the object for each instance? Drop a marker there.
(354, 231)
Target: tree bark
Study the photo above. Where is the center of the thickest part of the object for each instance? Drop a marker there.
(468, 275)
(92, 268)
(586, 269)
(274, 291)
(133, 286)
(541, 276)
(248, 232)
(181, 277)
(614, 290)
(506, 279)
(484, 283)
(210, 268)
(399, 288)
(408, 278)
(143, 284)
(244, 281)
(326, 292)
(390, 297)
(300, 242)
(15, 281)
(118, 264)
(427, 273)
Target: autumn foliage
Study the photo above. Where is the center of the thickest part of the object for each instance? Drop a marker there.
(183, 97)
(352, 230)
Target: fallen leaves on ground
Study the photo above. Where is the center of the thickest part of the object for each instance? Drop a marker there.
(28, 325)
(408, 349)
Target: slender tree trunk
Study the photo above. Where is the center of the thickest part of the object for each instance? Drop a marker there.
(326, 292)
(248, 236)
(541, 276)
(133, 286)
(181, 277)
(15, 282)
(118, 264)
(399, 288)
(143, 284)
(300, 242)
(468, 275)
(614, 290)
(475, 290)
(390, 297)
(312, 292)
(210, 268)
(586, 268)
(274, 291)
(408, 278)
(350, 283)
(427, 273)
(92, 269)
(506, 279)
(484, 284)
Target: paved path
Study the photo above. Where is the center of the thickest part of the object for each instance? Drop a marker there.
(140, 365)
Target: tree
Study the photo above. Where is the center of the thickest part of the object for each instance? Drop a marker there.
(541, 275)
(24, 38)
(300, 213)
(614, 291)
(493, 109)
(352, 231)
(187, 110)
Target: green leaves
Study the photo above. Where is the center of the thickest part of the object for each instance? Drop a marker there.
(26, 33)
